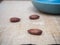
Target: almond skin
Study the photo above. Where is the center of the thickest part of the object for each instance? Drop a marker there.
(34, 17)
(14, 19)
(35, 31)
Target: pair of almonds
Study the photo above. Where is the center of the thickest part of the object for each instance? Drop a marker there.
(32, 17)
(30, 31)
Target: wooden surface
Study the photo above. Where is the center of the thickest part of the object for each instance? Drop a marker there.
(16, 33)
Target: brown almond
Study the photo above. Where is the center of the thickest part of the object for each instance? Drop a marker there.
(35, 31)
(34, 17)
(14, 19)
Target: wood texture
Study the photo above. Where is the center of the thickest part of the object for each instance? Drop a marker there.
(16, 33)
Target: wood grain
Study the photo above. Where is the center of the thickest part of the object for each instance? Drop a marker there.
(16, 33)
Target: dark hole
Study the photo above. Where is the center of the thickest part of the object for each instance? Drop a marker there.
(1, 1)
(28, 44)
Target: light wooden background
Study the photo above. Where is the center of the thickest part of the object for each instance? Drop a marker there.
(16, 33)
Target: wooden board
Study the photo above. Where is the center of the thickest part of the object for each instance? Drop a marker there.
(16, 33)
